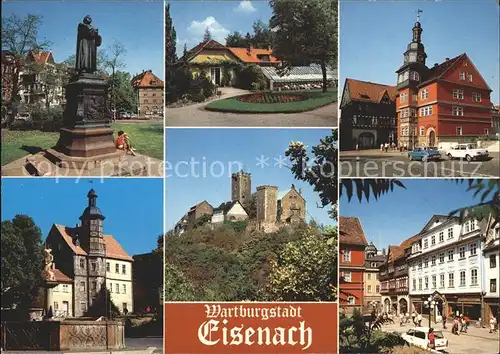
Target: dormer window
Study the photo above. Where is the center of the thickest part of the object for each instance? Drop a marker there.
(414, 76)
(264, 57)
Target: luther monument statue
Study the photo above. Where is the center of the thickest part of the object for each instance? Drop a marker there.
(86, 47)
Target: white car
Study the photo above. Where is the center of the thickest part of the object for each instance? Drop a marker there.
(419, 337)
(468, 152)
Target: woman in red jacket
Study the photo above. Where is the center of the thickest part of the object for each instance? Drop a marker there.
(123, 142)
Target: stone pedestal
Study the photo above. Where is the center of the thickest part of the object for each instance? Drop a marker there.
(87, 129)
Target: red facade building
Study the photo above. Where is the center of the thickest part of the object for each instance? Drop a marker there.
(352, 244)
(440, 105)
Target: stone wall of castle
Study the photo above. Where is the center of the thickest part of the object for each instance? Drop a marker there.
(292, 207)
(267, 204)
(241, 187)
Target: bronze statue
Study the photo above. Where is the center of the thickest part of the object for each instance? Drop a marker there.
(86, 47)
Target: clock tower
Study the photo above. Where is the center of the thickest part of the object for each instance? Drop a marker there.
(92, 241)
(410, 75)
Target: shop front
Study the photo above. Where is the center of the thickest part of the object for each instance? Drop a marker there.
(469, 305)
(491, 309)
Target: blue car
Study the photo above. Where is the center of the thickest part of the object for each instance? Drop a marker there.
(424, 154)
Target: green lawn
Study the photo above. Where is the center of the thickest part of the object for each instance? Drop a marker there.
(147, 138)
(317, 98)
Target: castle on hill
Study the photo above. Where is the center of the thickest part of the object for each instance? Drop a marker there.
(274, 209)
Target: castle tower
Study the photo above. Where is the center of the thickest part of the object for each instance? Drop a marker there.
(410, 75)
(241, 186)
(267, 204)
(91, 236)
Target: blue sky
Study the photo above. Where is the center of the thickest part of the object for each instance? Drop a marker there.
(403, 213)
(133, 207)
(374, 36)
(136, 24)
(191, 18)
(222, 151)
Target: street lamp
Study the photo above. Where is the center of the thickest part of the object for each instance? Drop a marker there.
(429, 304)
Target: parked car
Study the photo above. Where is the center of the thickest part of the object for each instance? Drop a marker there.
(467, 151)
(419, 337)
(424, 154)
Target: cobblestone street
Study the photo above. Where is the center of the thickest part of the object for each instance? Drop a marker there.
(476, 340)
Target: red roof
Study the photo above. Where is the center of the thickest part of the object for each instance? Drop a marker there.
(41, 56)
(351, 231)
(408, 242)
(60, 277)
(113, 248)
(254, 55)
(438, 71)
(147, 79)
(366, 91)
(396, 252)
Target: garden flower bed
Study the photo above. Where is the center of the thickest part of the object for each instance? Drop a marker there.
(271, 97)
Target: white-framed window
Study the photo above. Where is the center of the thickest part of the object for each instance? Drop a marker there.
(346, 255)
(83, 307)
(420, 265)
(462, 278)
(414, 76)
(450, 233)
(420, 284)
(403, 98)
(493, 261)
(459, 130)
(433, 260)
(451, 280)
(469, 77)
(426, 111)
(108, 267)
(124, 269)
(426, 262)
(486, 131)
(461, 252)
(369, 276)
(82, 263)
(462, 75)
(351, 300)
(457, 111)
(414, 284)
(476, 97)
(117, 288)
(405, 113)
(426, 282)
(124, 288)
(433, 240)
(117, 268)
(450, 255)
(473, 277)
(82, 286)
(441, 257)
(369, 289)
(473, 249)
(348, 276)
(422, 131)
(56, 305)
(424, 94)
(458, 94)
(441, 236)
(434, 282)
(441, 280)
(426, 243)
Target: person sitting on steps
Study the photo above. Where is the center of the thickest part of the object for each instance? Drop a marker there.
(123, 142)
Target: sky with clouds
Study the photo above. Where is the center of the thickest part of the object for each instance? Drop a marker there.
(222, 17)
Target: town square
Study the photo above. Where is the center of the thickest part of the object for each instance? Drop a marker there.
(437, 267)
(431, 109)
(220, 76)
(79, 272)
(93, 111)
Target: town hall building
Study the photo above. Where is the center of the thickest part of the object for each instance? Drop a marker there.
(442, 104)
(85, 259)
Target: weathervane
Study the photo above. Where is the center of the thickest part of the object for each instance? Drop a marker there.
(418, 14)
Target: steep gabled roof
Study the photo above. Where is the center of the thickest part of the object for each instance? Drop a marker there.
(225, 207)
(211, 44)
(409, 241)
(60, 277)
(440, 70)
(284, 193)
(146, 79)
(395, 252)
(366, 91)
(194, 207)
(351, 231)
(113, 248)
(433, 219)
(41, 56)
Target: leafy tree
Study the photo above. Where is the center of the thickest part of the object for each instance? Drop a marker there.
(263, 36)
(236, 40)
(208, 35)
(53, 76)
(124, 94)
(305, 31)
(306, 270)
(21, 261)
(170, 39)
(177, 287)
(250, 206)
(185, 51)
(19, 37)
(103, 305)
(113, 61)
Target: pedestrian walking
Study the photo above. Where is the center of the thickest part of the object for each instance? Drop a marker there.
(419, 320)
(357, 146)
(386, 147)
(444, 321)
(382, 147)
(493, 323)
(401, 319)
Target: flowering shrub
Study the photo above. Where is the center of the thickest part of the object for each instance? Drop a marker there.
(271, 97)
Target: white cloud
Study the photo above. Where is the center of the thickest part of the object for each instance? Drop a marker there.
(245, 6)
(197, 29)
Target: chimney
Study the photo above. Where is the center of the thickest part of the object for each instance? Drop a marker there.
(249, 49)
(447, 59)
(383, 251)
(436, 64)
